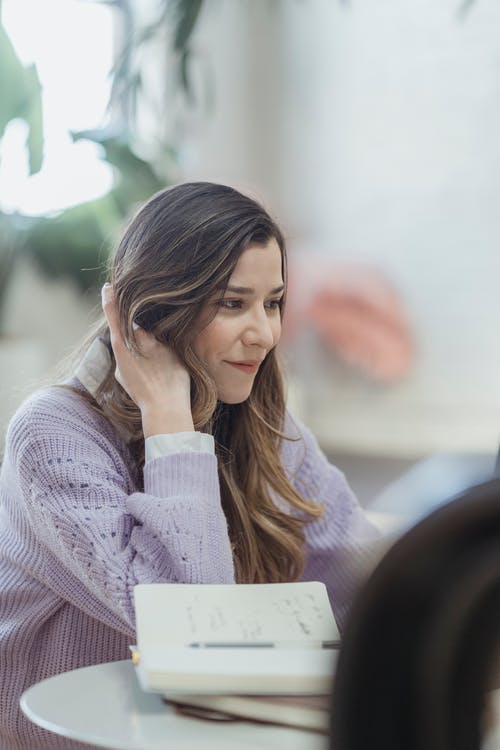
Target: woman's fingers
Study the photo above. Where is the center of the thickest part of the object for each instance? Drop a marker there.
(151, 374)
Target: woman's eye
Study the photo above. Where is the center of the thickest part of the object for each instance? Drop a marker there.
(237, 304)
(230, 304)
(274, 304)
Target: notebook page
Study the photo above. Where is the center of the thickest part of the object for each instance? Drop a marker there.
(181, 614)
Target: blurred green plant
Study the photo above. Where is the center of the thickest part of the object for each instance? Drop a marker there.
(20, 99)
(174, 23)
(75, 244)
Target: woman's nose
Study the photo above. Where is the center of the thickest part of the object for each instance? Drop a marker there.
(259, 331)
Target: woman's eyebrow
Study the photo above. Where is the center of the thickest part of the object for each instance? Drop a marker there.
(249, 290)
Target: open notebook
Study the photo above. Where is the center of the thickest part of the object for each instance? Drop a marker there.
(244, 638)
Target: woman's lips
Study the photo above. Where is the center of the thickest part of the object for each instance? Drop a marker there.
(249, 367)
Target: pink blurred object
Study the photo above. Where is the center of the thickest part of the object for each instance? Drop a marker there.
(358, 313)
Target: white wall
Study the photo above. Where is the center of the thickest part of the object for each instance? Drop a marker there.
(373, 130)
(44, 322)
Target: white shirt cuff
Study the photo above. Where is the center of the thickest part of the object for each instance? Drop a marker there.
(178, 442)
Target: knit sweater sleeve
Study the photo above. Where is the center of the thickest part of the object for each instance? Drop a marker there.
(339, 544)
(100, 537)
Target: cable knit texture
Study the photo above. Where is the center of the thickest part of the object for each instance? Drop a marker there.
(76, 536)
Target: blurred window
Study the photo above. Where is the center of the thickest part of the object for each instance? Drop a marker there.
(71, 44)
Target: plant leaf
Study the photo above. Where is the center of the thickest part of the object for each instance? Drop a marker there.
(21, 98)
(34, 119)
(186, 14)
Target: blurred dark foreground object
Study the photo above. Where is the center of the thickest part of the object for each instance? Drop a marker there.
(418, 654)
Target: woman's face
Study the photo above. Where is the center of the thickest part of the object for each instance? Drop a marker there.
(246, 325)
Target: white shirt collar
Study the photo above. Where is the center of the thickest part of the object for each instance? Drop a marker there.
(94, 366)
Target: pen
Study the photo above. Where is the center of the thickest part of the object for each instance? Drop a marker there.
(264, 644)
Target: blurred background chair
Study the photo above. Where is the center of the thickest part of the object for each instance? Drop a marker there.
(429, 483)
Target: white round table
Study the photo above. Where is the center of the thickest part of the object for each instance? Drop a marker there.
(104, 705)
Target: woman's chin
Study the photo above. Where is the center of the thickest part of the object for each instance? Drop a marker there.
(233, 397)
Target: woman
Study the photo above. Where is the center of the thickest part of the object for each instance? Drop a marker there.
(169, 456)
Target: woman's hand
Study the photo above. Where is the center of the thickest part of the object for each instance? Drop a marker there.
(154, 379)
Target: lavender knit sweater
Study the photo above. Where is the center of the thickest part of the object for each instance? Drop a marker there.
(76, 536)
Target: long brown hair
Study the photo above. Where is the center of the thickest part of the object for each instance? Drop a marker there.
(177, 252)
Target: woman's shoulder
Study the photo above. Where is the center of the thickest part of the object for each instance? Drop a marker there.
(59, 426)
(57, 409)
(299, 444)
(301, 452)
(297, 431)
(311, 471)
(55, 401)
